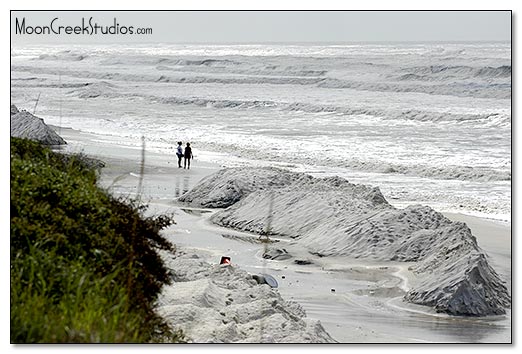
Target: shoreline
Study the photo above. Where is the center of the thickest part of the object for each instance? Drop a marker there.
(162, 178)
(164, 182)
(95, 145)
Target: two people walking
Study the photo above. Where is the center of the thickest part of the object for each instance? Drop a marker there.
(187, 154)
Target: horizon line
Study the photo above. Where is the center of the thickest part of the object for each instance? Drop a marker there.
(276, 42)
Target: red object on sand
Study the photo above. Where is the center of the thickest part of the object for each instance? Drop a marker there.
(225, 260)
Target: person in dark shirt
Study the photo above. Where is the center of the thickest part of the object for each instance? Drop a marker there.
(188, 156)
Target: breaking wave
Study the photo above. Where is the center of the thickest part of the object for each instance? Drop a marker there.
(442, 172)
(415, 115)
(66, 55)
(450, 72)
(106, 89)
(463, 173)
(462, 89)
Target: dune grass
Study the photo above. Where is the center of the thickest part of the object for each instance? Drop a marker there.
(84, 266)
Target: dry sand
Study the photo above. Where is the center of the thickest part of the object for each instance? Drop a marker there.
(366, 306)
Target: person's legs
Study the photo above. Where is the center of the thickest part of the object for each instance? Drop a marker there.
(188, 164)
(185, 163)
(179, 161)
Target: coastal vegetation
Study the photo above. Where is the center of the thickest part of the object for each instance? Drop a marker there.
(84, 264)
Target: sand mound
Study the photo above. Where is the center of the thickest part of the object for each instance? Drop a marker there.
(469, 286)
(25, 125)
(228, 186)
(332, 217)
(224, 304)
(303, 205)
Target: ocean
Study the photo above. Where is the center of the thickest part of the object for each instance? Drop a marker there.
(427, 123)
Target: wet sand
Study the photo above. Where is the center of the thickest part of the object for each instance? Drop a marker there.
(162, 177)
(356, 301)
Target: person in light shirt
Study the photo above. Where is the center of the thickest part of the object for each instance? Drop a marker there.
(179, 153)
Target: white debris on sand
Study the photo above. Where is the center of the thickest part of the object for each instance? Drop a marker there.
(224, 304)
(25, 125)
(332, 217)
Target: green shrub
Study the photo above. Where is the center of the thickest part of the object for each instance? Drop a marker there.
(83, 264)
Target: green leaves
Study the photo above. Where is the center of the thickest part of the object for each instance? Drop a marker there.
(83, 264)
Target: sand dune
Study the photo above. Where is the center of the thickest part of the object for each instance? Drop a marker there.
(26, 125)
(332, 217)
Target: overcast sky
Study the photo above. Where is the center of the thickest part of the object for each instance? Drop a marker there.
(275, 26)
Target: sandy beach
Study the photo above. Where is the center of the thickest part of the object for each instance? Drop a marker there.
(356, 301)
